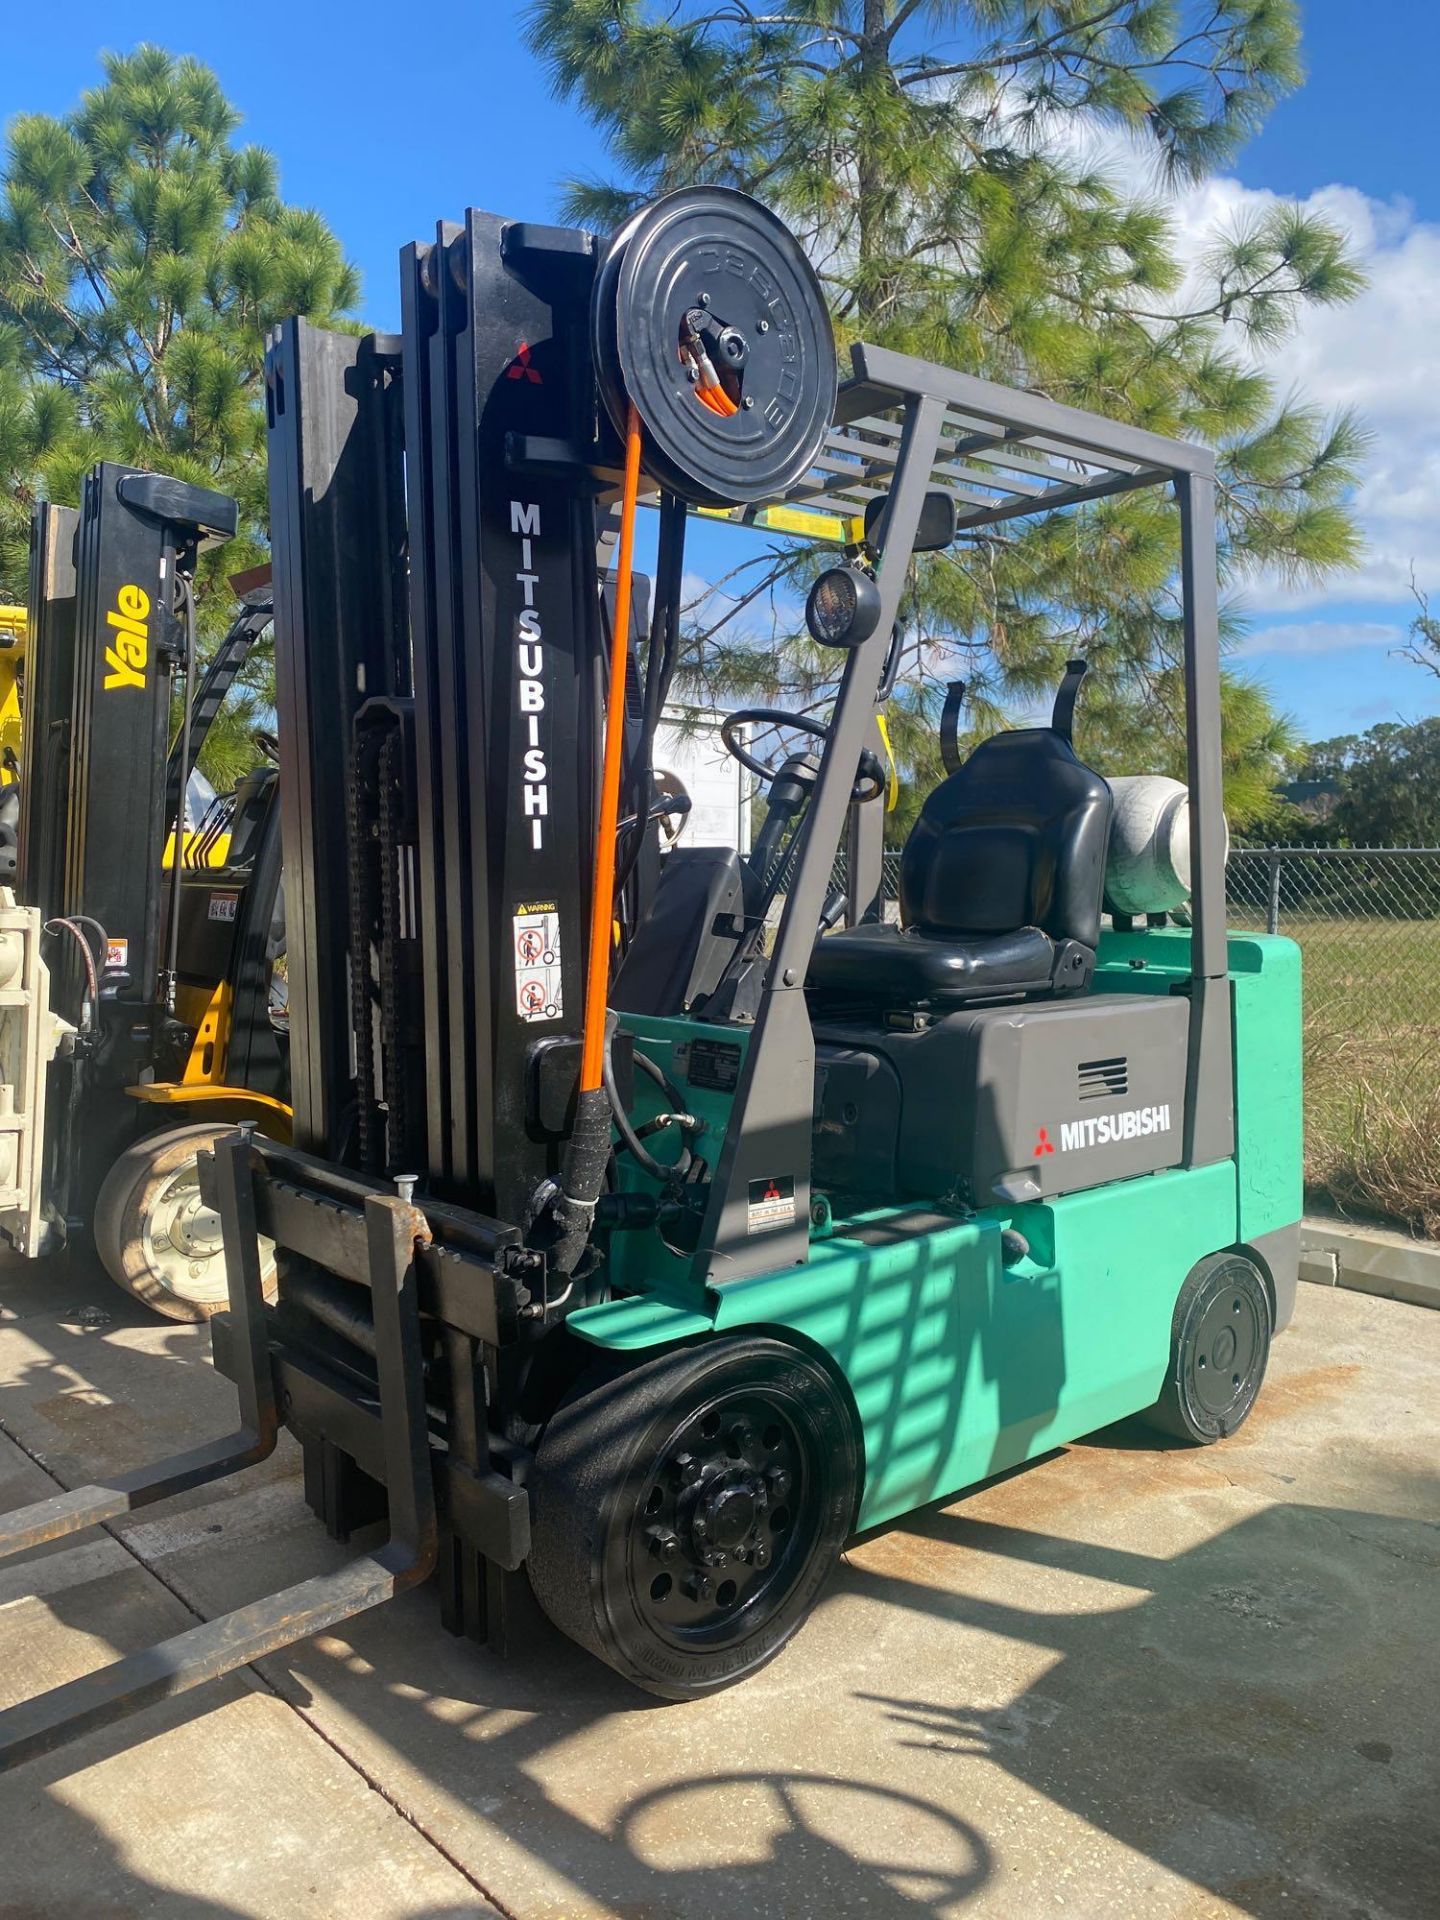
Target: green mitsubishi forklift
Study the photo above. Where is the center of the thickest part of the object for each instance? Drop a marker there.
(630, 1257)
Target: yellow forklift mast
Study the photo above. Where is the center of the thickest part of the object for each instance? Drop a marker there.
(162, 1025)
(14, 632)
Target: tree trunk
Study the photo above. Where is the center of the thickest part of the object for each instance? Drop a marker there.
(869, 169)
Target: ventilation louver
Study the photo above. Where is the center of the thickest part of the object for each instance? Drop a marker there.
(1104, 1079)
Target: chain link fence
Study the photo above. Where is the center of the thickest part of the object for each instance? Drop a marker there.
(1367, 921)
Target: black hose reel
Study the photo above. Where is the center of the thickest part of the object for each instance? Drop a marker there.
(708, 315)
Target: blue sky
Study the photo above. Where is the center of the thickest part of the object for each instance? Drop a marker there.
(387, 119)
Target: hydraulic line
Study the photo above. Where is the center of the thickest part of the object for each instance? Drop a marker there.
(186, 592)
(571, 1210)
(602, 897)
(633, 1138)
(664, 652)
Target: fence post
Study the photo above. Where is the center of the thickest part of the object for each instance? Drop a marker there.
(1272, 905)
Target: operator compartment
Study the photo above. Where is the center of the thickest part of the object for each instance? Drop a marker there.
(1000, 1104)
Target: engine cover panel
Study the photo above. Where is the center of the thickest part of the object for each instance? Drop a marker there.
(1007, 1103)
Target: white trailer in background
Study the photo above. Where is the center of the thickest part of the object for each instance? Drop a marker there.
(690, 757)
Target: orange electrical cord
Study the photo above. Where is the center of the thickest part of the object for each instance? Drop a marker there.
(602, 898)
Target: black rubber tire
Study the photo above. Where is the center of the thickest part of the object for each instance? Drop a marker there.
(125, 1207)
(1219, 1349)
(612, 1445)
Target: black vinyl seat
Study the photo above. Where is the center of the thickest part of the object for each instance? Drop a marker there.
(1001, 883)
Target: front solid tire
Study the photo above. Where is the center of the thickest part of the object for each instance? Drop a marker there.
(1219, 1348)
(154, 1235)
(686, 1512)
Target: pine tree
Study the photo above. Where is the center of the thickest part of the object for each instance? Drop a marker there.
(143, 256)
(932, 157)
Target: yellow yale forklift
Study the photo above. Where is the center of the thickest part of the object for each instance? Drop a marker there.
(629, 1259)
(165, 1018)
(14, 633)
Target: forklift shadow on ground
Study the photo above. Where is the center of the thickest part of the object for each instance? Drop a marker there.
(1167, 1723)
(1172, 1717)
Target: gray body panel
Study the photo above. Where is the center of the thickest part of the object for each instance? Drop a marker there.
(1023, 1101)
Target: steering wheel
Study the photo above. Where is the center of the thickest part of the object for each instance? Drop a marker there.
(871, 779)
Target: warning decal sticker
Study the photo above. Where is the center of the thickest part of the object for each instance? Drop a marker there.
(537, 960)
(772, 1203)
(223, 906)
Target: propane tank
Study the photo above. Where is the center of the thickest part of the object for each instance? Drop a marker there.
(1148, 866)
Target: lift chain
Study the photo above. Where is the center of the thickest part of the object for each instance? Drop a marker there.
(369, 1138)
(390, 774)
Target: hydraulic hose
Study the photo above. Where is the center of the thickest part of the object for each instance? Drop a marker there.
(172, 956)
(602, 897)
(632, 1140)
(587, 1151)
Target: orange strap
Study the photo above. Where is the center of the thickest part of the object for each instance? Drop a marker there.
(602, 898)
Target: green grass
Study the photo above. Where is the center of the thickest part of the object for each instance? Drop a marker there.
(1372, 1065)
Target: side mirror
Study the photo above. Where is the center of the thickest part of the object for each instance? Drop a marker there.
(938, 519)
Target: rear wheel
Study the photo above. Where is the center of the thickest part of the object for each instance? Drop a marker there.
(154, 1234)
(686, 1512)
(1219, 1347)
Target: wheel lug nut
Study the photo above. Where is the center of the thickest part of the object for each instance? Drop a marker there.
(739, 1437)
(760, 1554)
(663, 1543)
(779, 1481)
(697, 1586)
(688, 1468)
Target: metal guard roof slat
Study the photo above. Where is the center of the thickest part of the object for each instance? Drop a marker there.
(1038, 455)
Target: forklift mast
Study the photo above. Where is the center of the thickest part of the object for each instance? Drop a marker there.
(504, 630)
(113, 617)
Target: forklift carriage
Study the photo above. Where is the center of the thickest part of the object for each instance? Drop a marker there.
(625, 1256)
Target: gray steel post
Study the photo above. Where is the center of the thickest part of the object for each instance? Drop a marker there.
(1209, 1090)
(865, 854)
(767, 1143)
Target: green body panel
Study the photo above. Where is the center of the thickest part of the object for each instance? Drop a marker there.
(959, 1367)
(642, 1260)
(1265, 982)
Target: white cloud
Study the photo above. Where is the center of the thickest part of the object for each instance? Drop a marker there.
(1379, 355)
(1321, 636)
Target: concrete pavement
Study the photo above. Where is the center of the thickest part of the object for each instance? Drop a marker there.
(1131, 1680)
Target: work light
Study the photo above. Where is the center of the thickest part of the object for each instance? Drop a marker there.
(843, 607)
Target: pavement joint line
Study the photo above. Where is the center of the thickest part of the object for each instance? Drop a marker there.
(267, 1685)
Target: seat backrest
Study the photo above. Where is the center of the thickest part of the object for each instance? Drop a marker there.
(1015, 837)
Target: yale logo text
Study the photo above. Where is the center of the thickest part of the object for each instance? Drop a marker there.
(128, 653)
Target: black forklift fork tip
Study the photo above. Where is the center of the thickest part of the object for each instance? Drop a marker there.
(216, 1647)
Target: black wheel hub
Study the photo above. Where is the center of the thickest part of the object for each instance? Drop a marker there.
(718, 1541)
(1226, 1343)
